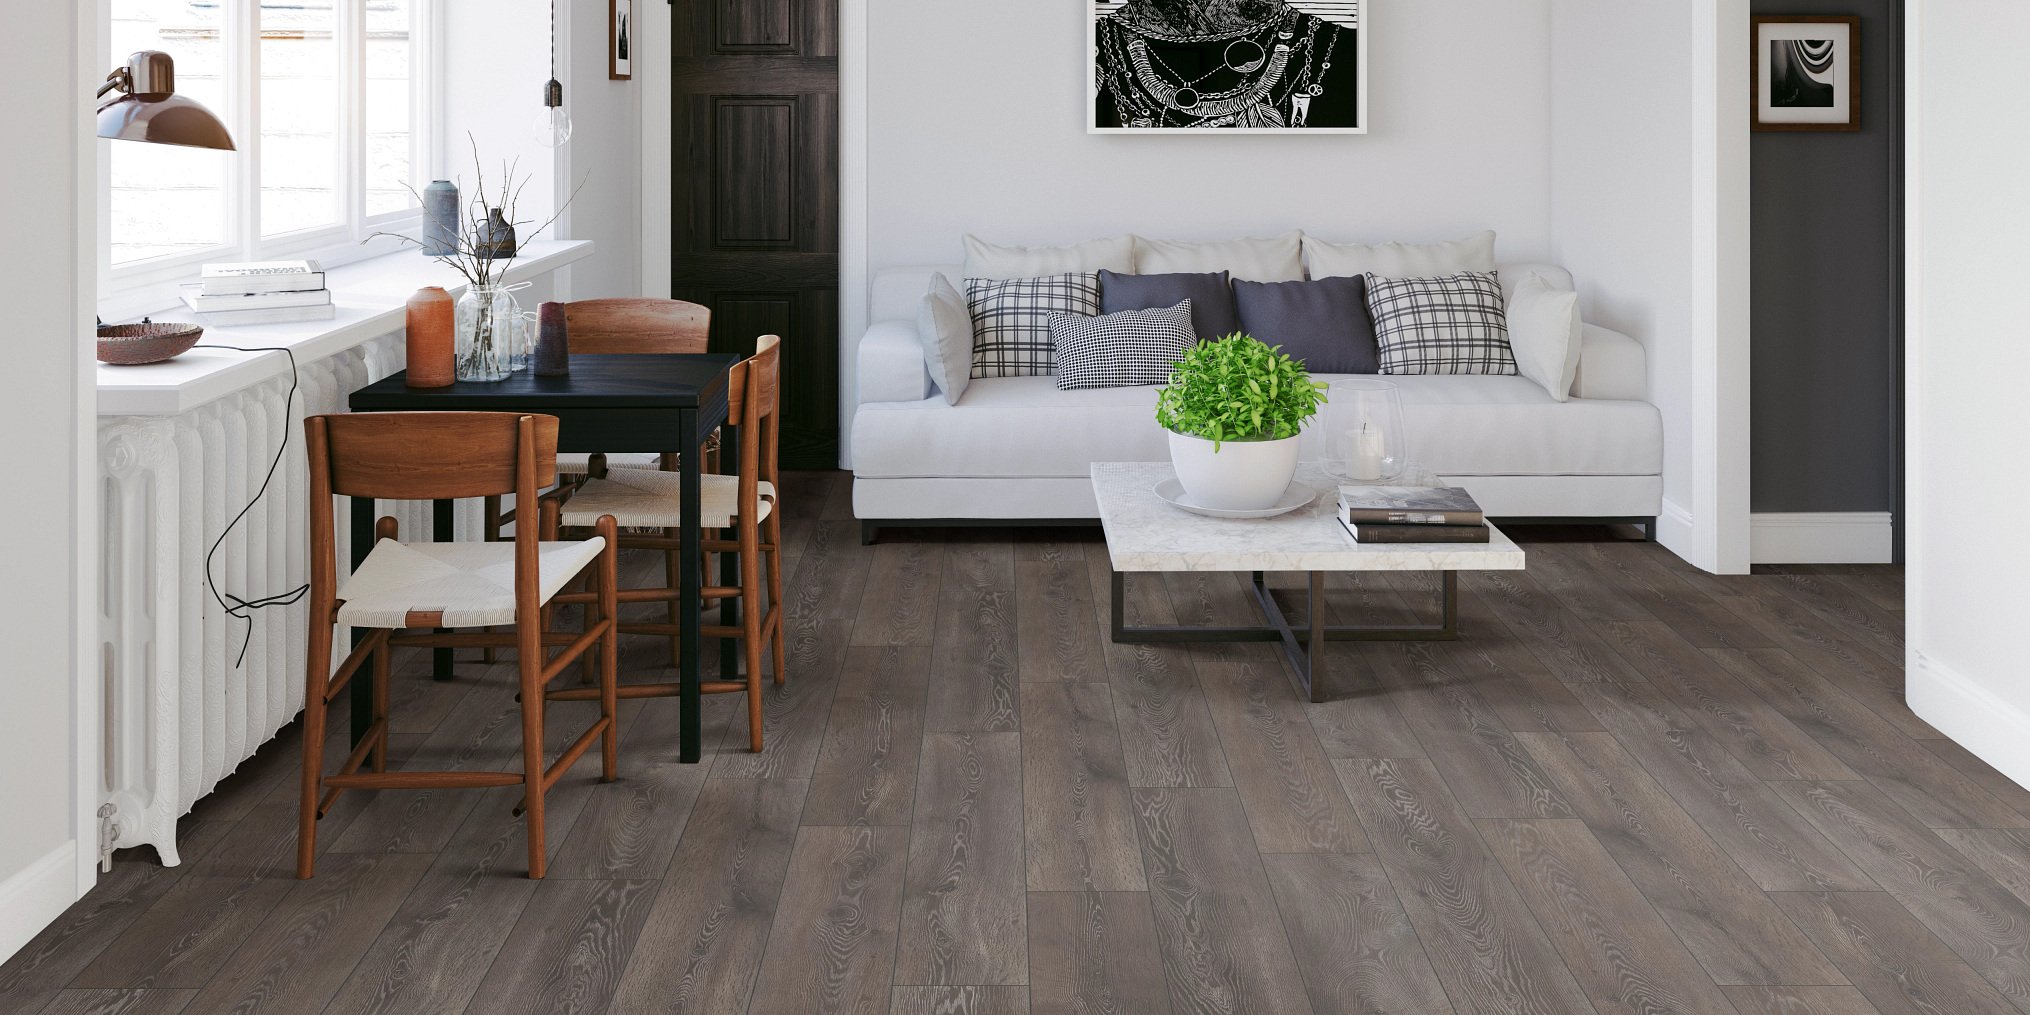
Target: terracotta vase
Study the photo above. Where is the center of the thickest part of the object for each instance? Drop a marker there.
(432, 363)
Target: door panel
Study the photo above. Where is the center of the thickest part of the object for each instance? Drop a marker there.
(755, 136)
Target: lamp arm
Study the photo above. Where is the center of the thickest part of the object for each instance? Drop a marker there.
(121, 78)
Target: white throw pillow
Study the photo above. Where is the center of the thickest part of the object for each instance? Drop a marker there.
(1400, 260)
(946, 331)
(1543, 332)
(995, 261)
(1267, 259)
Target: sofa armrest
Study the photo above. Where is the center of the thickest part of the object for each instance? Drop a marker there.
(1611, 365)
(891, 365)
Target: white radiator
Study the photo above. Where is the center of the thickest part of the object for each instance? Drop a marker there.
(182, 710)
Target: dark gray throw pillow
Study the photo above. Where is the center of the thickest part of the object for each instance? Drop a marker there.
(1323, 322)
(1212, 304)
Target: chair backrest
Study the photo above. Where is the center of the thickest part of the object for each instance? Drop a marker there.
(754, 388)
(637, 326)
(430, 455)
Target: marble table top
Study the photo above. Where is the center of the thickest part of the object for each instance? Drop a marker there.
(1145, 533)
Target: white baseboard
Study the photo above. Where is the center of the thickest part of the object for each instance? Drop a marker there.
(37, 895)
(1996, 731)
(1824, 537)
(1674, 528)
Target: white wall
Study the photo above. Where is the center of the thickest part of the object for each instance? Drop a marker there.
(1649, 211)
(605, 151)
(976, 123)
(48, 205)
(1965, 412)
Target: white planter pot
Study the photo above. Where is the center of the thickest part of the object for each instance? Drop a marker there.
(1240, 476)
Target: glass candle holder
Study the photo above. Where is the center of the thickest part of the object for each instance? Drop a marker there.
(1366, 438)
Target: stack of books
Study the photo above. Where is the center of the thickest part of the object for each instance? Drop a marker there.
(1411, 514)
(260, 292)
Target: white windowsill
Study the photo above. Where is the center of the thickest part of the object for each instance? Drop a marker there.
(370, 296)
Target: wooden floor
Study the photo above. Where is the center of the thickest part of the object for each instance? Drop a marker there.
(1630, 787)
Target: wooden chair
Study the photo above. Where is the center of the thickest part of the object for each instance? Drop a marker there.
(614, 326)
(448, 455)
(745, 503)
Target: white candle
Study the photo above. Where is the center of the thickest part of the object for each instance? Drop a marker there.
(1366, 457)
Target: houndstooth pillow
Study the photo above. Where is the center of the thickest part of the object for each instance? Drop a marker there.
(1449, 324)
(1011, 319)
(1120, 350)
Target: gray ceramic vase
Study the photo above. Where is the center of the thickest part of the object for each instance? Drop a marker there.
(440, 218)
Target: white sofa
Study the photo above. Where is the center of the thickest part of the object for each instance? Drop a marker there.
(1018, 449)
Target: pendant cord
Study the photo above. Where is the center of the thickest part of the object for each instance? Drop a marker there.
(553, 40)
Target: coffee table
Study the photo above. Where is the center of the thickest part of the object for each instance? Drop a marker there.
(1146, 534)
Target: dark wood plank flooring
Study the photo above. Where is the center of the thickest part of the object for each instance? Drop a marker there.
(1631, 787)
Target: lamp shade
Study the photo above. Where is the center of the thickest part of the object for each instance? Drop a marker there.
(147, 107)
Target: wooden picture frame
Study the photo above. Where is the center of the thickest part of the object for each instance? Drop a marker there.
(620, 40)
(1805, 72)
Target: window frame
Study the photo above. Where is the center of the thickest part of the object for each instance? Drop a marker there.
(151, 283)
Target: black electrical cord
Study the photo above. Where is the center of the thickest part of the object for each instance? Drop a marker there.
(238, 608)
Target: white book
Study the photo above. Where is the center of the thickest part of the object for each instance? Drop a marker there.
(197, 299)
(277, 315)
(236, 277)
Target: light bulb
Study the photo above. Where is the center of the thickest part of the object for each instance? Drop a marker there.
(552, 125)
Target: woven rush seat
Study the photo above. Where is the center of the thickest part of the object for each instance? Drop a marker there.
(640, 498)
(472, 584)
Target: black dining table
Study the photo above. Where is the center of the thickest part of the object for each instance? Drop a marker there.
(608, 403)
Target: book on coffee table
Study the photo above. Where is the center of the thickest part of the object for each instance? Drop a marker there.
(1382, 532)
(1408, 505)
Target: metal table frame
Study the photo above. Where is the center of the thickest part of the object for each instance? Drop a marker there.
(1303, 647)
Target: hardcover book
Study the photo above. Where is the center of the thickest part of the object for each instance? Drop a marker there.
(1368, 532)
(205, 303)
(1408, 505)
(237, 277)
(275, 315)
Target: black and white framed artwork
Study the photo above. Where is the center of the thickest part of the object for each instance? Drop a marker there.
(1262, 66)
(1807, 72)
(620, 39)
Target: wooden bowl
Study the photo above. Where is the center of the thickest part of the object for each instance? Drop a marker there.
(130, 345)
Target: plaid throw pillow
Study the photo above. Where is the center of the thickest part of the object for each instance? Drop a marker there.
(1011, 319)
(1120, 350)
(1450, 324)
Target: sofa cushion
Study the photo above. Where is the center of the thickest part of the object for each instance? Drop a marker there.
(1266, 259)
(1543, 333)
(1458, 426)
(1212, 302)
(994, 260)
(1011, 319)
(1399, 260)
(946, 330)
(1117, 350)
(1323, 323)
(1451, 324)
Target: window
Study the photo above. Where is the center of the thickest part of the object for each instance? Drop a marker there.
(325, 100)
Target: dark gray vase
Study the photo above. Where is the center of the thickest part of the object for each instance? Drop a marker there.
(498, 235)
(440, 218)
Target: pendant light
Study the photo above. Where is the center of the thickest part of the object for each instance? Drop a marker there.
(552, 126)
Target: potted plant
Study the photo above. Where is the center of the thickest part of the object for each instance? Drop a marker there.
(1234, 408)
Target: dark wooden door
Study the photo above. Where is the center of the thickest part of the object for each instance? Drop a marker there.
(756, 197)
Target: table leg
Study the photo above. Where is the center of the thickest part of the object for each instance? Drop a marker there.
(440, 531)
(362, 544)
(729, 563)
(690, 601)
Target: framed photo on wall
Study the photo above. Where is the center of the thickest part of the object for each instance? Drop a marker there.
(620, 39)
(1245, 66)
(1807, 72)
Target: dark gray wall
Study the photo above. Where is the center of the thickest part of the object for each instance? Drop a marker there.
(1828, 302)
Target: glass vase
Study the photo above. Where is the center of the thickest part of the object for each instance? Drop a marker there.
(487, 320)
(1366, 438)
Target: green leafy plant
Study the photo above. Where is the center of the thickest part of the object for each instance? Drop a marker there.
(1237, 388)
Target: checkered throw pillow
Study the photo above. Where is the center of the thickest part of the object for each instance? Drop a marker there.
(1450, 324)
(1120, 350)
(1011, 319)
